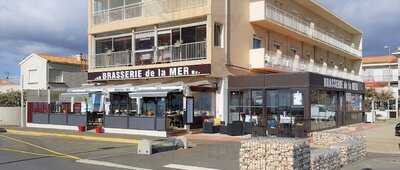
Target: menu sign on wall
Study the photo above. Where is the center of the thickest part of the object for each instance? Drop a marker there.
(342, 84)
(177, 71)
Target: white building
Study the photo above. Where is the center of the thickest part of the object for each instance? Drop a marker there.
(42, 72)
(381, 73)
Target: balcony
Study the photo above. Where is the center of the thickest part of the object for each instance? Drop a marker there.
(145, 8)
(261, 11)
(261, 59)
(160, 55)
(385, 76)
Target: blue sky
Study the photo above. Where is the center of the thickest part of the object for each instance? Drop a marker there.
(60, 26)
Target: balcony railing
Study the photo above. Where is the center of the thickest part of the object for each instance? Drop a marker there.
(303, 27)
(281, 62)
(146, 8)
(293, 64)
(166, 54)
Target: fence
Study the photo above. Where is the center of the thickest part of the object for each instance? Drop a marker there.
(146, 8)
(165, 54)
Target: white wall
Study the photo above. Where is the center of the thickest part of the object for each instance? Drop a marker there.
(34, 62)
(10, 116)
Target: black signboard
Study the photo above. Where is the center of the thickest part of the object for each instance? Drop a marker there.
(177, 71)
(189, 111)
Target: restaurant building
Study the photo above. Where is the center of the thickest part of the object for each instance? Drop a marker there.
(155, 60)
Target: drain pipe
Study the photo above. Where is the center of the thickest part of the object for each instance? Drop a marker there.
(227, 32)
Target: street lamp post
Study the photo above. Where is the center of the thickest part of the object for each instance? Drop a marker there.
(389, 48)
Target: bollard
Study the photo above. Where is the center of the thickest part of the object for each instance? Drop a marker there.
(144, 147)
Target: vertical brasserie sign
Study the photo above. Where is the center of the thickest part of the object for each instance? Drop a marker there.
(177, 71)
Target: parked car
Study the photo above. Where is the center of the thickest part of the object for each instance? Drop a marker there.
(321, 112)
(397, 129)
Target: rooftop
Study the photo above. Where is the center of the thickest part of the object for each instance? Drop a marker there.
(62, 59)
(379, 59)
(6, 82)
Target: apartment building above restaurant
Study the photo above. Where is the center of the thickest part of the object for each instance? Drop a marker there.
(147, 58)
(250, 36)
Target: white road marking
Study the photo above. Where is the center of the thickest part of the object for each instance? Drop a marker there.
(108, 164)
(186, 167)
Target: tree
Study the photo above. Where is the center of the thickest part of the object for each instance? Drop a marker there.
(380, 96)
(10, 99)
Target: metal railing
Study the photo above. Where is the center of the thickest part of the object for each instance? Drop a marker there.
(146, 8)
(166, 54)
(114, 59)
(293, 64)
(301, 26)
(385, 77)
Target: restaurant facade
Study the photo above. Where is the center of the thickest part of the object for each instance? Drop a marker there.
(161, 66)
(304, 101)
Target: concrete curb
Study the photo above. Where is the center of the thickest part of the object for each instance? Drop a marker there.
(70, 136)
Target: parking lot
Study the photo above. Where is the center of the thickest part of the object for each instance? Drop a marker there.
(48, 152)
(33, 152)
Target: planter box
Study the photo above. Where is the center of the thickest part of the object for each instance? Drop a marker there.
(57, 119)
(77, 120)
(120, 122)
(142, 123)
(40, 118)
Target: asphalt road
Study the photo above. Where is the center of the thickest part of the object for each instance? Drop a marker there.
(20, 156)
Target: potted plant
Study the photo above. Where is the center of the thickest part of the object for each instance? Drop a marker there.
(99, 129)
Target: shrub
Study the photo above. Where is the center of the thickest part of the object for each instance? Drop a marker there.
(10, 99)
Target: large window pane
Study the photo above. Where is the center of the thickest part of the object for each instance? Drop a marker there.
(100, 5)
(164, 39)
(123, 44)
(201, 33)
(203, 103)
(103, 46)
(323, 109)
(129, 2)
(176, 36)
(116, 3)
(144, 41)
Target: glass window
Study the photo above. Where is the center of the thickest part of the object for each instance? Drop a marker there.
(176, 36)
(203, 102)
(144, 41)
(129, 2)
(194, 34)
(149, 106)
(218, 35)
(103, 46)
(55, 76)
(123, 44)
(164, 38)
(100, 5)
(32, 76)
(323, 109)
(234, 106)
(257, 43)
(116, 3)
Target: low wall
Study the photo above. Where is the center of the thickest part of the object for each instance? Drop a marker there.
(335, 151)
(274, 153)
(351, 148)
(10, 116)
(325, 158)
